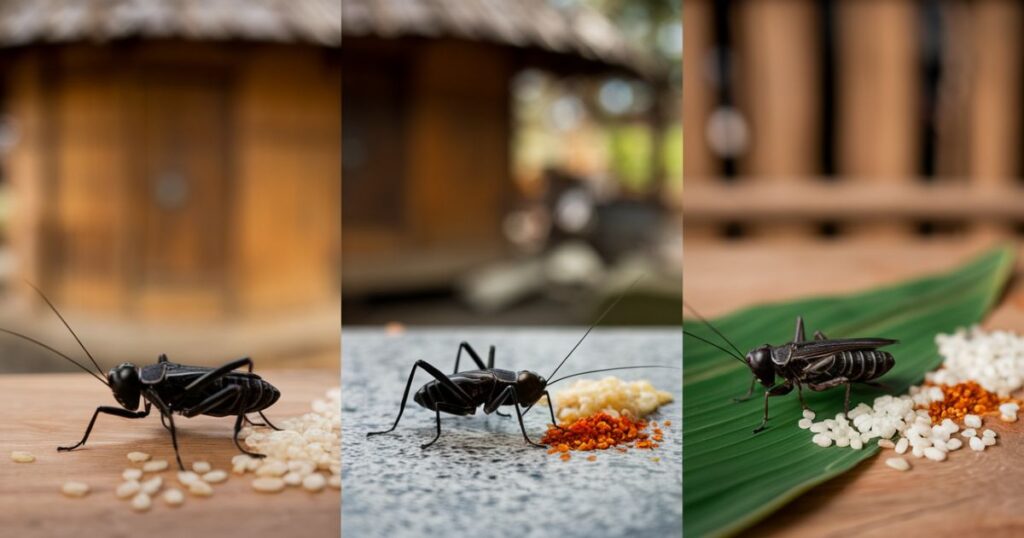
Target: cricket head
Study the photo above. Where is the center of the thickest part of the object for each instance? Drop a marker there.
(125, 384)
(760, 362)
(529, 387)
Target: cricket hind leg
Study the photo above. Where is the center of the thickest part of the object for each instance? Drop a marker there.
(234, 437)
(800, 394)
(835, 382)
(473, 355)
(266, 422)
(777, 390)
(799, 336)
(456, 392)
(438, 434)
(479, 363)
(108, 410)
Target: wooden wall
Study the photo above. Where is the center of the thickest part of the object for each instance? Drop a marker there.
(178, 179)
(454, 164)
(838, 131)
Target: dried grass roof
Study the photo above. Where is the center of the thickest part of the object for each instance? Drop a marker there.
(56, 21)
(576, 30)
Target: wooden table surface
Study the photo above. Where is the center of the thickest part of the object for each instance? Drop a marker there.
(970, 494)
(41, 411)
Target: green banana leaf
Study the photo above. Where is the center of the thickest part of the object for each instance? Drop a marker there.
(731, 477)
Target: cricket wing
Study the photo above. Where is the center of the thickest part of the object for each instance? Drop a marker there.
(817, 349)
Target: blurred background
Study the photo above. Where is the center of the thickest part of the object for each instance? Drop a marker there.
(169, 176)
(880, 133)
(840, 120)
(511, 162)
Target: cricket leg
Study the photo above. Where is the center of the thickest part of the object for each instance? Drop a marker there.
(234, 437)
(800, 393)
(438, 434)
(509, 395)
(834, 382)
(799, 336)
(230, 393)
(116, 411)
(777, 390)
(479, 363)
(472, 354)
(266, 421)
(213, 375)
(456, 392)
(552, 410)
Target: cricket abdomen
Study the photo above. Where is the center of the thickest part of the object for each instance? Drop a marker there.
(478, 385)
(861, 365)
(253, 394)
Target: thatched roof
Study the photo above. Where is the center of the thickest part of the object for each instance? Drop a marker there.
(56, 21)
(577, 30)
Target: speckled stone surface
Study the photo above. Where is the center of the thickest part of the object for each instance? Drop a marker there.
(480, 478)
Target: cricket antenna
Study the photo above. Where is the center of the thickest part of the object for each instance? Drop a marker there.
(599, 318)
(611, 369)
(54, 308)
(50, 349)
(710, 343)
(712, 327)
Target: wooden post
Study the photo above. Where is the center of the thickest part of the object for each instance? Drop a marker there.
(699, 163)
(878, 88)
(778, 49)
(995, 102)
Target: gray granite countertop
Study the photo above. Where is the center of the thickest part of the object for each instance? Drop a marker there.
(480, 478)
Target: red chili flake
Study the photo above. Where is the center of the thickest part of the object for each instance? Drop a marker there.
(599, 432)
(961, 399)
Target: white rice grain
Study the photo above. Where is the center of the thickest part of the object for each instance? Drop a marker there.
(153, 485)
(215, 477)
(138, 457)
(141, 502)
(128, 489)
(154, 466)
(268, 485)
(174, 497)
(934, 454)
(21, 456)
(75, 489)
(314, 482)
(200, 488)
(899, 464)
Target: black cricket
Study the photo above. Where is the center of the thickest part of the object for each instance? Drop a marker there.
(821, 363)
(175, 389)
(462, 392)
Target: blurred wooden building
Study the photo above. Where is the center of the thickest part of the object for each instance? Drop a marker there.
(853, 121)
(427, 151)
(175, 159)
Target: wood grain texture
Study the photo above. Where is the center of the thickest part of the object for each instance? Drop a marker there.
(970, 494)
(45, 410)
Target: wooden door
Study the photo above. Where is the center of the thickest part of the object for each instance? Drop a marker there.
(181, 194)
